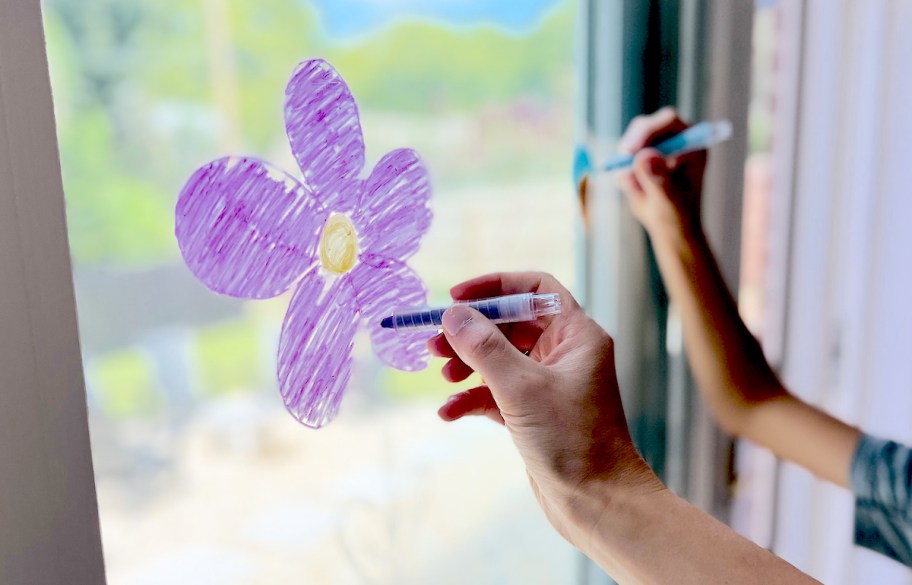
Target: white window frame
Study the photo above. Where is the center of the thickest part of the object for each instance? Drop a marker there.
(49, 530)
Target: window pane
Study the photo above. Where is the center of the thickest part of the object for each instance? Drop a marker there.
(202, 475)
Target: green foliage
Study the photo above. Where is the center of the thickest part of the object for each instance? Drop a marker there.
(228, 358)
(125, 385)
(147, 91)
(111, 211)
(403, 386)
(417, 66)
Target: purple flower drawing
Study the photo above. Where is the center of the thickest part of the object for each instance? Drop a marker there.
(248, 229)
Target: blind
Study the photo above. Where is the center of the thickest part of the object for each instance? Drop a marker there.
(840, 274)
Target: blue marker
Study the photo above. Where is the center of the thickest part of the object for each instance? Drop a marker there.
(507, 309)
(698, 137)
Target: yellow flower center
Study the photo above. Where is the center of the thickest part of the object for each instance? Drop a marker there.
(338, 244)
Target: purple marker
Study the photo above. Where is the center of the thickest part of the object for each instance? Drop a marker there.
(507, 309)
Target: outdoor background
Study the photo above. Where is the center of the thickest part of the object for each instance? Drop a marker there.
(203, 478)
(202, 475)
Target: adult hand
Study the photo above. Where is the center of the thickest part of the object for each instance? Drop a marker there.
(664, 193)
(552, 383)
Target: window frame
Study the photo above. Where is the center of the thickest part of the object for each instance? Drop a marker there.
(48, 506)
(48, 500)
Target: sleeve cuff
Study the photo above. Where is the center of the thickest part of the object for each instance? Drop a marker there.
(863, 474)
(881, 522)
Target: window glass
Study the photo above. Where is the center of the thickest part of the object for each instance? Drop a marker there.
(202, 476)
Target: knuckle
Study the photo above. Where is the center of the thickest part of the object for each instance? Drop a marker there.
(487, 344)
(635, 127)
(608, 345)
(550, 283)
(668, 119)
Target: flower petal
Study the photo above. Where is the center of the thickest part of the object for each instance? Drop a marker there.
(246, 228)
(315, 347)
(382, 285)
(321, 120)
(394, 213)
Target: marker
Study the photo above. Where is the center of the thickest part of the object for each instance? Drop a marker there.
(507, 309)
(698, 137)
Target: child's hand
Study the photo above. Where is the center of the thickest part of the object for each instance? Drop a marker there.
(664, 194)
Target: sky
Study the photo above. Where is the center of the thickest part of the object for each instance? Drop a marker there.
(346, 19)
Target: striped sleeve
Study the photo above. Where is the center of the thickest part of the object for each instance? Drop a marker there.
(881, 479)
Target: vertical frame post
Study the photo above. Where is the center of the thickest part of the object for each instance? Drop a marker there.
(48, 510)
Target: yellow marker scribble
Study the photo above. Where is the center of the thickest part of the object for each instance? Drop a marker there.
(338, 244)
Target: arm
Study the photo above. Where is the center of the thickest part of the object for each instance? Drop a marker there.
(552, 384)
(657, 537)
(728, 363)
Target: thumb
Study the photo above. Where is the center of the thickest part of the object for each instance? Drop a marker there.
(652, 172)
(482, 346)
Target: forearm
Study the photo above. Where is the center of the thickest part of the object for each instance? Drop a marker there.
(726, 359)
(731, 370)
(653, 536)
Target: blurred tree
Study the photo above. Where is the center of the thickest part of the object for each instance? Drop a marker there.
(421, 66)
(146, 91)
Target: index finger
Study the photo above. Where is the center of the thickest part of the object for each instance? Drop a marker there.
(509, 283)
(524, 334)
(648, 130)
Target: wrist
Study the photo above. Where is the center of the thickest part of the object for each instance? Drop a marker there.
(591, 505)
(676, 232)
(608, 519)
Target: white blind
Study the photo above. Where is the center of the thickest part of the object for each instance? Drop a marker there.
(842, 239)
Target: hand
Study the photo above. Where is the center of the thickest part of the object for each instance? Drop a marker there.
(664, 194)
(560, 402)
(562, 408)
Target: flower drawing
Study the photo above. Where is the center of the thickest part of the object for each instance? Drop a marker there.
(250, 230)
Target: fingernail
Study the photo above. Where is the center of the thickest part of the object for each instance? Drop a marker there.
(455, 319)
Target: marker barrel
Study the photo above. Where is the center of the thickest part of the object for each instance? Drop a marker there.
(506, 309)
